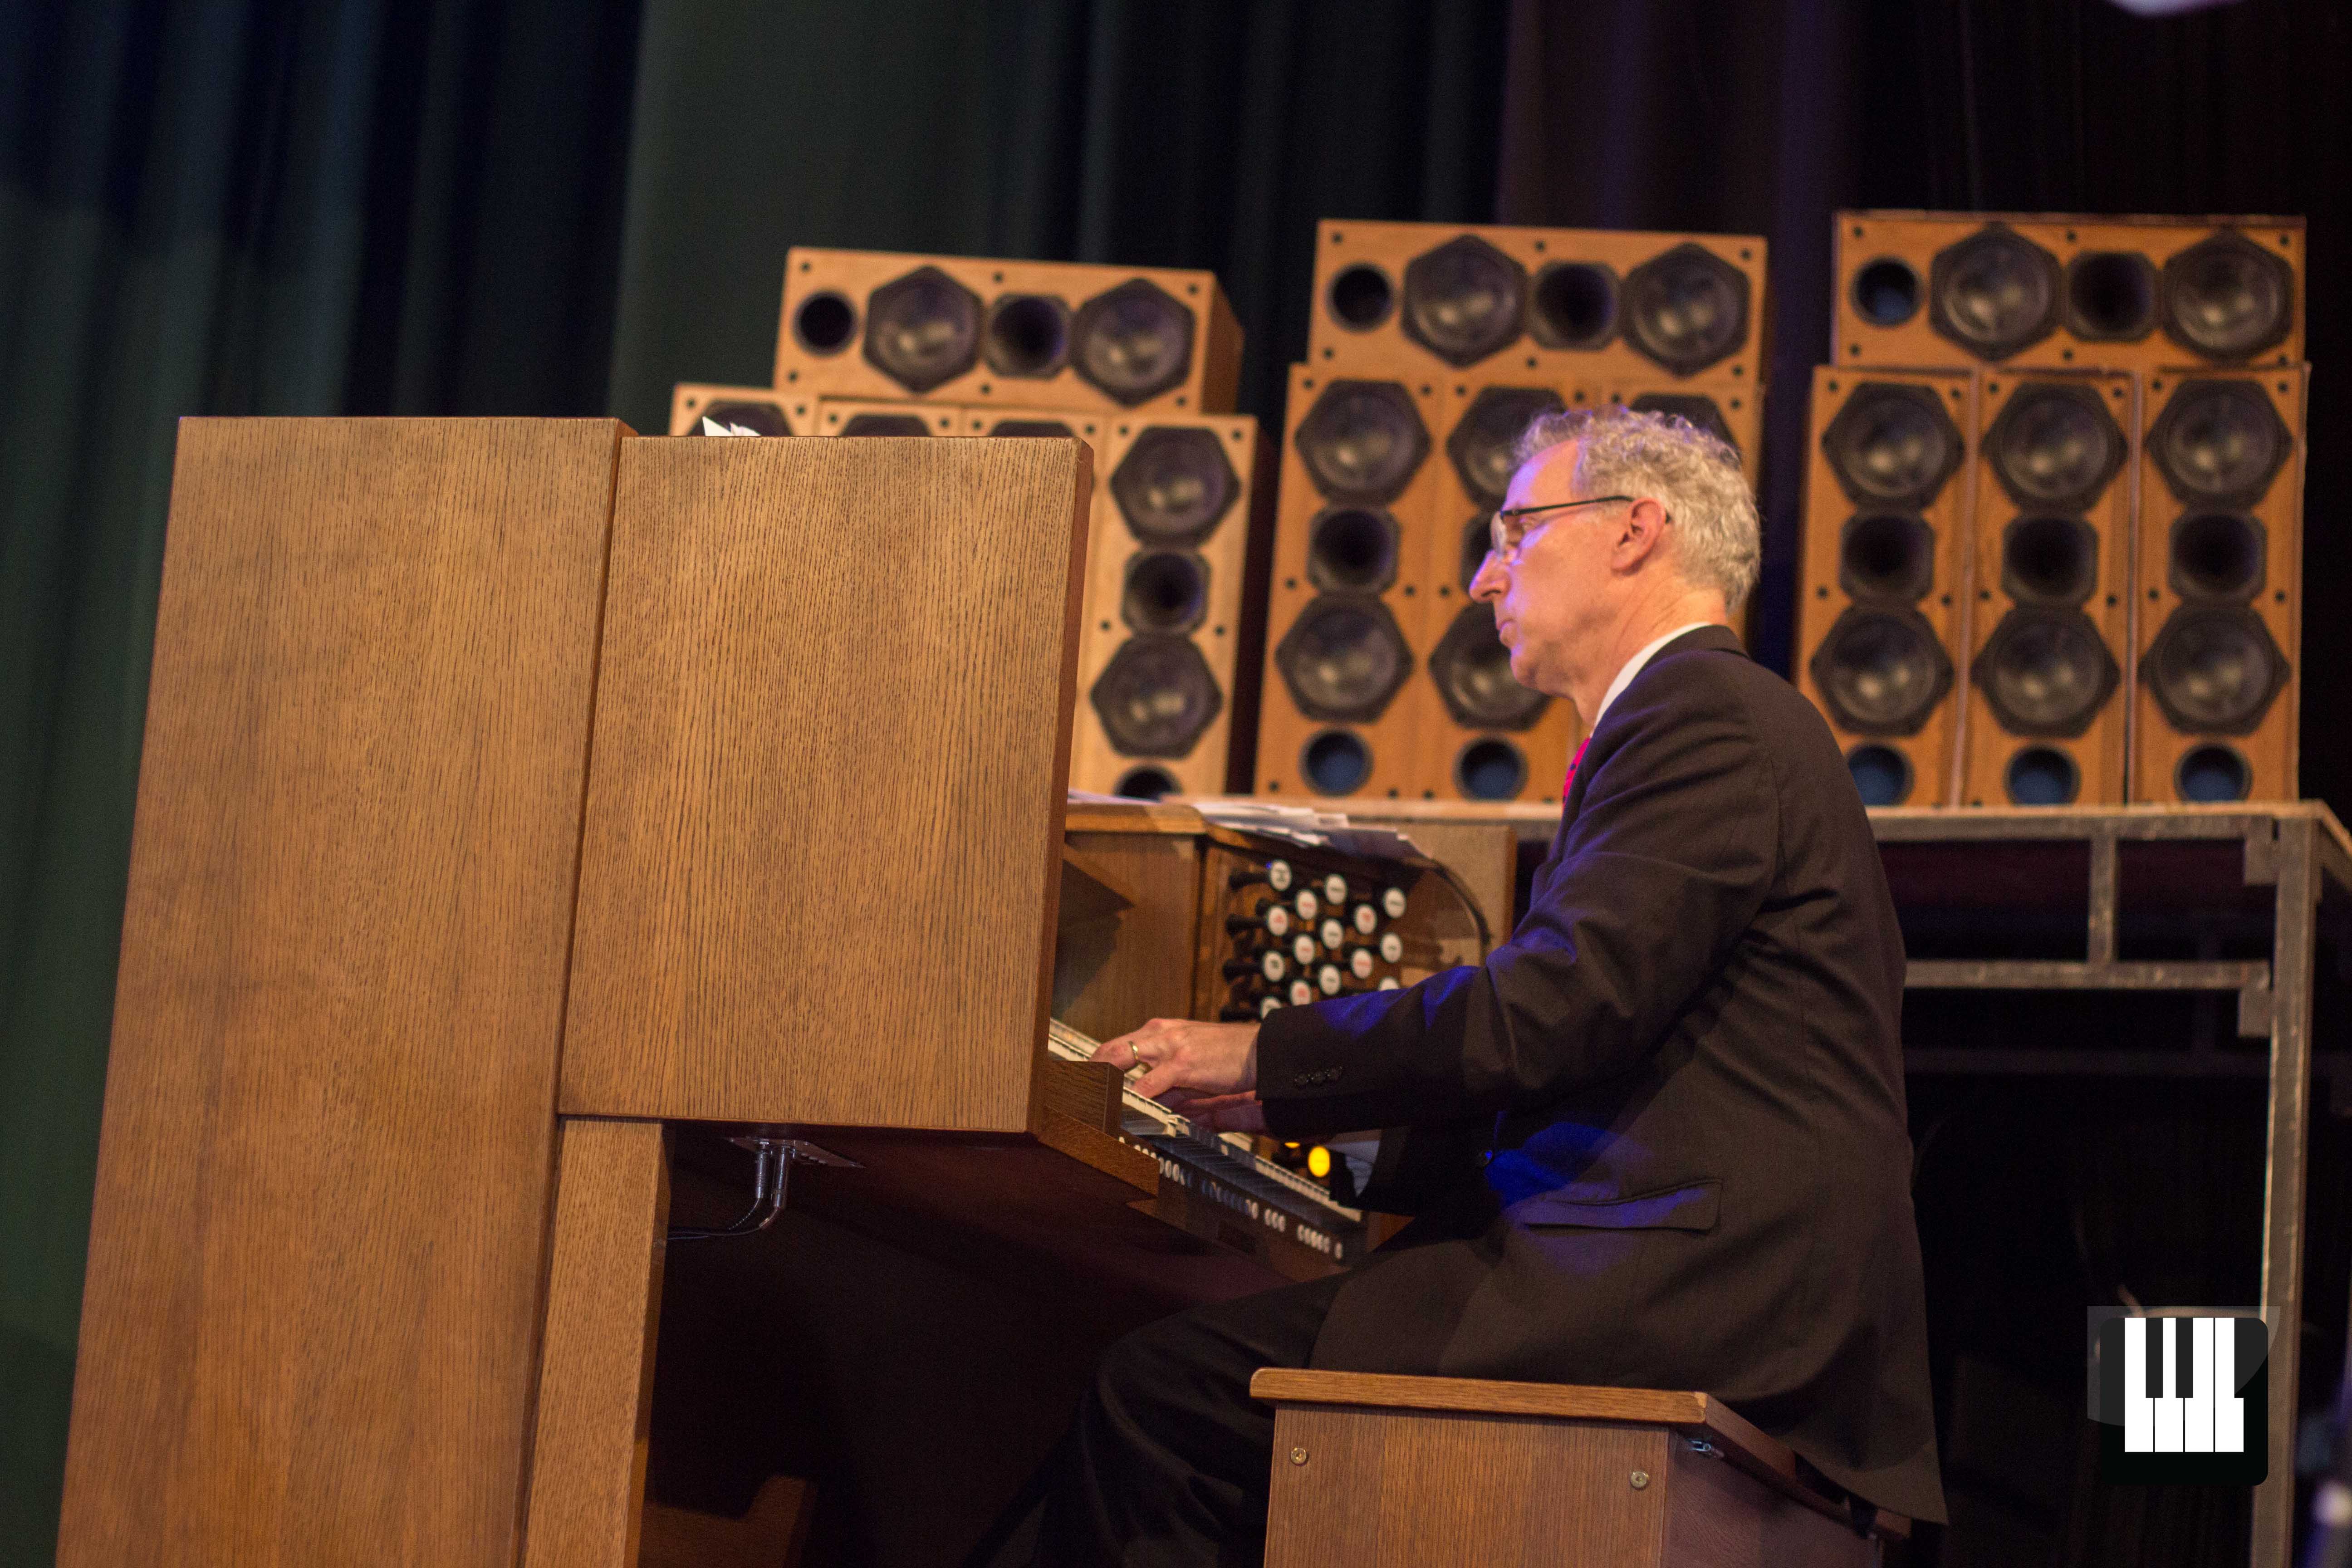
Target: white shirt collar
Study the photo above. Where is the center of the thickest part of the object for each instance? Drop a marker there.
(1632, 667)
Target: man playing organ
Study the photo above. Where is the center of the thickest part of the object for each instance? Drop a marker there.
(1658, 1138)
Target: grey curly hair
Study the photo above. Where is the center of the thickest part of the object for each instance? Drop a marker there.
(1696, 474)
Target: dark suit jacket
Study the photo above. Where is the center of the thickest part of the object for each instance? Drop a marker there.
(1658, 1139)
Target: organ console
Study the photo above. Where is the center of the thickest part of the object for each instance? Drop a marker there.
(519, 799)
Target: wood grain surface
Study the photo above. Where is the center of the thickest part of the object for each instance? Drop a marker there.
(822, 845)
(1720, 1516)
(1379, 1490)
(1696, 1415)
(1113, 973)
(596, 1369)
(310, 1319)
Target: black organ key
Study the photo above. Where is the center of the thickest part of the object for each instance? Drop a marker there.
(2184, 1358)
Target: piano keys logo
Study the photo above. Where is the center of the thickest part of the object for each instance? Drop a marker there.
(2181, 1400)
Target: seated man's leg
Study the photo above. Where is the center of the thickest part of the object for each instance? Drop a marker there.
(1169, 1459)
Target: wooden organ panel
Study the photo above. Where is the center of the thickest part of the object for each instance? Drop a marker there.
(422, 754)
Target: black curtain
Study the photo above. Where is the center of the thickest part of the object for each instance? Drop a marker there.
(226, 206)
(1212, 134)
(1766, 116)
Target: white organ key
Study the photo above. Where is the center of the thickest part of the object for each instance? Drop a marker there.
(2196, 1426)
(2139, 1412)
(2167, 1407)
(2229, 1409)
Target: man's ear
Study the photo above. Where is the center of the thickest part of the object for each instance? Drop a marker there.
(1640, 534)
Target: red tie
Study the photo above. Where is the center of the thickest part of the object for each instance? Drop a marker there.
(1569, 781)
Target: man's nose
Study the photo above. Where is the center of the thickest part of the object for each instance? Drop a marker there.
(1490, 580)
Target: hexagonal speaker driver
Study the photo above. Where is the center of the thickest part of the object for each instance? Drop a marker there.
(886, 425)
(1879, 670)
(2214, 670)
(922, 330)
(1133, 342)
(2045, 671)
(1483, 439)
(1892, 444)
(1695, 409)
(1473, 672)
(1993, 293)
(1343, 659)
(2226, 297)
(1464, 300)
(1174, 485)
(1362, 440)
(760, 419)
(1155, 696)
(1685, 308)
(2220, 443)
(2054, 446)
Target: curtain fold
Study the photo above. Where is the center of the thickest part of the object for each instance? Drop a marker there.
(255, 207)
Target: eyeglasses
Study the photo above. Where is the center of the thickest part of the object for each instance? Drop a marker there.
(1508, 535)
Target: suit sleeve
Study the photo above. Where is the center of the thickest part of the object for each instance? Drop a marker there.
(1666, 865)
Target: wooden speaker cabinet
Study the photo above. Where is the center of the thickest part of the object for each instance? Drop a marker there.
(2056, 292)
(762, 410)
(1413, 299)
(2057, 457)
(1174, 594)
(2220, 594)
(1356, 515)
(1036, 334)
(1883, 610)
(879, 416)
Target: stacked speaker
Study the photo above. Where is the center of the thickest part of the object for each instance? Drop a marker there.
(1432, 349)
(2053, 508)
(1142, 364)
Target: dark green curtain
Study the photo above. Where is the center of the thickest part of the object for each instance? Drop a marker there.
(1203, 134)
(359, 206)
(340, 207)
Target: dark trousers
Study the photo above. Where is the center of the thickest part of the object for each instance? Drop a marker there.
(1168, 1461)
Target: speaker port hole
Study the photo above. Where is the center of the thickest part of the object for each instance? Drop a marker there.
(1886, 292)
(1882, 775)
(2213, 774)
(1145, 783)
(1575, 305)
(1361, 296)
(2043, 775)
(1490, 769)
(824, 323)
(1335, 763)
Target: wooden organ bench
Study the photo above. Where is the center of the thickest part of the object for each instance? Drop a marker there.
(1437, 1472)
